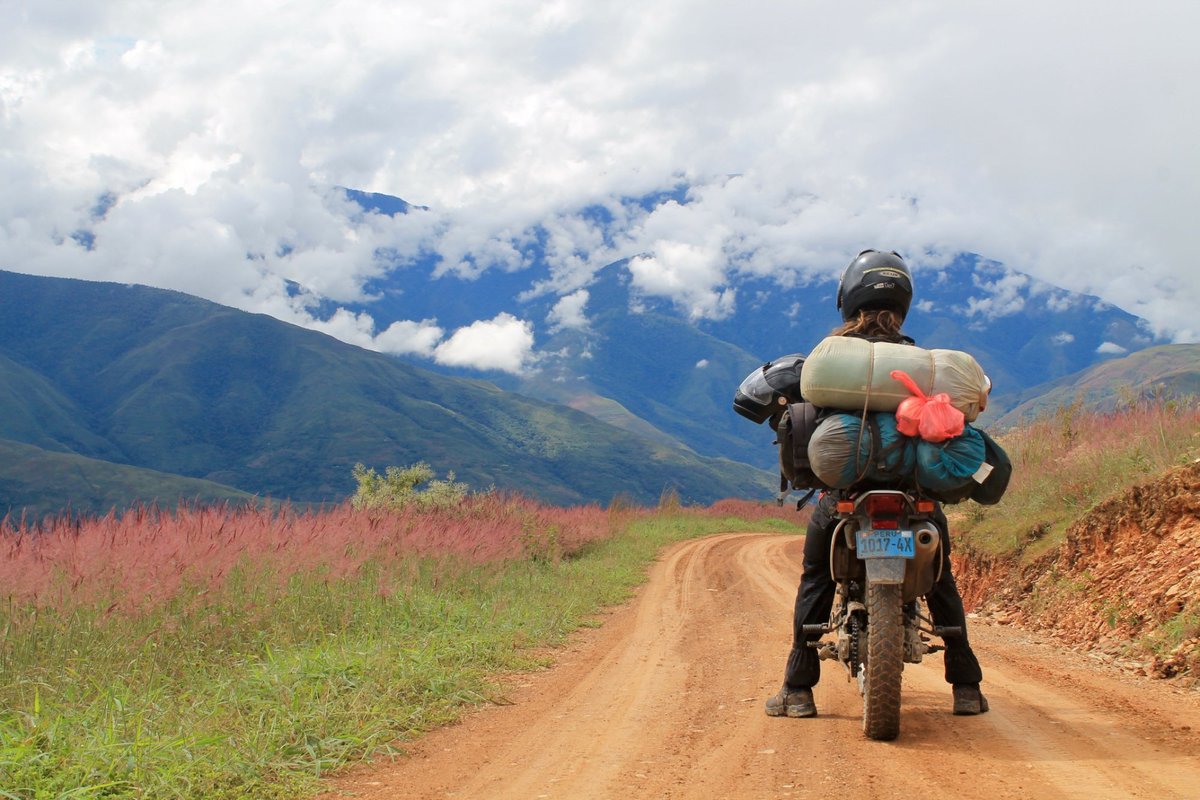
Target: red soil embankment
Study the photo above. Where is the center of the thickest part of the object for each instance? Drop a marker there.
(1127, 567)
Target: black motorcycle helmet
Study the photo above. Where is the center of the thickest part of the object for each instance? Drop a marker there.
(875, 280)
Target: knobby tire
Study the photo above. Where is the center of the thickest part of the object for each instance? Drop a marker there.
(884, 662)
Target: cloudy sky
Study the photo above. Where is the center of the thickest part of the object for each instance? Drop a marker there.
(196, 145)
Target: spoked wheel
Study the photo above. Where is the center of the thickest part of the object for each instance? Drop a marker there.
(884, 661)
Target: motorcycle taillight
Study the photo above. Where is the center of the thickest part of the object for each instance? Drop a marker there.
(885, 505)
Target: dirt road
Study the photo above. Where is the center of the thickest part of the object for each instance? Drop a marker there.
(665, 701)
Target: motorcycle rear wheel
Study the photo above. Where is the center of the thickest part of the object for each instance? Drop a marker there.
(884, 662)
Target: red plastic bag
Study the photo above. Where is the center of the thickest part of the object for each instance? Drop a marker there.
(931, 418)
(911, 409)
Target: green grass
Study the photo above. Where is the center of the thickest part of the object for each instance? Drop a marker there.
(258, 690)
(1171, 634)
(1067, 462)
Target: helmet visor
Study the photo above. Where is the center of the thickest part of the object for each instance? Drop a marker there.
(755, 387)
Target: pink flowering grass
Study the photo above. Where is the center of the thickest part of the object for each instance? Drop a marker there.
(143, 558)
(1066, 462)
(1082, 454)
(223, 653)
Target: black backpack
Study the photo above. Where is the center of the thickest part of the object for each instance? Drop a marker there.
(793, 432)
(773, 392)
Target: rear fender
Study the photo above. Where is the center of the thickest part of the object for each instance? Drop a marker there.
(888, 570)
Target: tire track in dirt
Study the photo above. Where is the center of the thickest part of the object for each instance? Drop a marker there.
(665, 701)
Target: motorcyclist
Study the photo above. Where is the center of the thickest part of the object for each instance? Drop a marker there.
(874, 296)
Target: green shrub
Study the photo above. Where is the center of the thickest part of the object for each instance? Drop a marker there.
(397, 488)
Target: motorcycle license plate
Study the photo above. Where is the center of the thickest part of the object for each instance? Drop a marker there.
(884, 544)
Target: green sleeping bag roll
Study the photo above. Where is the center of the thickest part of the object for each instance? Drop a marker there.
(846, 373)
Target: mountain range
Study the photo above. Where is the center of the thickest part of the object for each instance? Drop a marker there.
(1163, 373)
(643, 363)
(161, 381)
(112, 394)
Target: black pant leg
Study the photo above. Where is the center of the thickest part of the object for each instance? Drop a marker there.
(814, 599)
(946, 609)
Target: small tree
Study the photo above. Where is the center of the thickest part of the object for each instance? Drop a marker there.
(397, 488)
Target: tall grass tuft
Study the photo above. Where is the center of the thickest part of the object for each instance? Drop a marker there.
(1066, 462)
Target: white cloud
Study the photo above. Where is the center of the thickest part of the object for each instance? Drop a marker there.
(568, 311)
(1111, 348)
(1063, 337)
(406, 336)
(687, 272)
(1004, 296)
(356, 329)
(702, 363)
(222, 129)
(1059, 301)
(504, 343)
(401, 338)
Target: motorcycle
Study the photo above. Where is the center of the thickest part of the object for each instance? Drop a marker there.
(884, 557)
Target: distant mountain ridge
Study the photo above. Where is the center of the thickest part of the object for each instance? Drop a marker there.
(643, 354)
(35, 483)
(163, 381)
(1165, 372)
(169, 383)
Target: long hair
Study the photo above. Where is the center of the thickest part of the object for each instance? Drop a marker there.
(872, 323)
